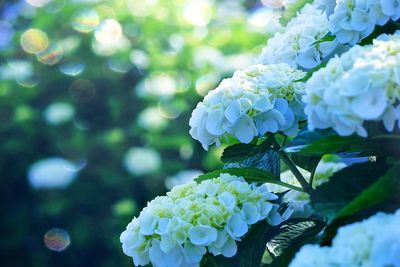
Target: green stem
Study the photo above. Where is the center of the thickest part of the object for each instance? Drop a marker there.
(290, 186)
(312, 176)
(303, 182)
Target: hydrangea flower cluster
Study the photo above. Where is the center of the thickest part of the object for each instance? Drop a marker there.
(179, 228)
(257, 100)
(361, 85)
(296, 45)
(350, 21)
(374, 242)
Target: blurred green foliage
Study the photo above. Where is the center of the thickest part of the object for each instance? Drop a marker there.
(129, 73)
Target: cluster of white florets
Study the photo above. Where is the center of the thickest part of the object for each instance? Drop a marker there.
(361, 85)
(374, 242)
(350, 20)
(257, 100)
(297, 45)
(179, 228)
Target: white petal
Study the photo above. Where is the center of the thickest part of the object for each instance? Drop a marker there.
(250, 213)
(274, 218)
(232, 112)
(370, 105)
(214, 122)
(228, 200)
(245, 129)
(148, 223)
(229, 249)
(202, 235)
(236, 226)
(262, 104)
(281, 105)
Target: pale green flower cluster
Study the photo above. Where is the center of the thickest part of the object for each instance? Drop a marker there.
(351, 21)
(179, 228)
(374, 242)
(256, 100)
(297, 45)
(361, 85)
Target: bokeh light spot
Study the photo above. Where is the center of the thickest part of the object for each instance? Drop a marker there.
(85, 21)
(58, 113)
(151, 119)
(140, 59)
(118, 65)
(52, 173)
(141, 161)
(206, 83)
(72, 69)
(34, 41)
(51, 55)
(57, 239)
(198, 12)
(6, 33)
(82, 90)
(38, 3)
(108, 31)
(170, 109)
(125, 207)
(181, 178)
(159, 83)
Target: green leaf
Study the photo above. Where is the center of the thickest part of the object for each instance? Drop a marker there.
(332, 144)
(329, 198)
(266, 160)
(382, 195)
(238, 152)
(290, 236)
(386, 188)
(327, 38)
(374, 145)
(310, 72)
(251, 175)
(250, 249)
(304, 138)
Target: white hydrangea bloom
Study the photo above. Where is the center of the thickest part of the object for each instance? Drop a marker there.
(350, 20)
(179, 228)
(296, 45)
(374, 242)
(257, 100)
(361, 85)
(299, 203)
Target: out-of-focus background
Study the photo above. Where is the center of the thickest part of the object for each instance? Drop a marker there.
(95, 99)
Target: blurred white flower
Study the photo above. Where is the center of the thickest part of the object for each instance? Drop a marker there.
(181, 177)
(296, 44)
(140, 161)
(257, 100)
(371, 242)
(351, 21)
(361, 85)
(52, 173)
(17, 70)
(58, 113)
(151, 119)
(266, 20)
(179, 228)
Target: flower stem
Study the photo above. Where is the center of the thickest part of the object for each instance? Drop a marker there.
(303, 182)
(290, 186)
